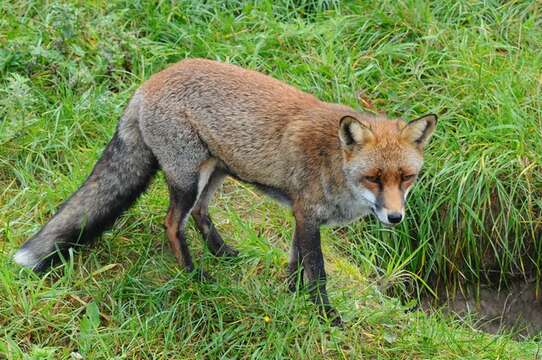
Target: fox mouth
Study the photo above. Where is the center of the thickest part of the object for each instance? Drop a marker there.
(387, 224)
(373, 211)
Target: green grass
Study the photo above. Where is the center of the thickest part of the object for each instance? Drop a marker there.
(67, 70)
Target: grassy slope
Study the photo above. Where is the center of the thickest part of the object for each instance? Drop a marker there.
(66, 71)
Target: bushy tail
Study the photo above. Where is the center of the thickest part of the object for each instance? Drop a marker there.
(118, 178)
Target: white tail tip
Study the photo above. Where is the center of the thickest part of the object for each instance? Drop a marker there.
(24, 257)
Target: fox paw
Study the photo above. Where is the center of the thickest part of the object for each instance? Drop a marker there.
(226, 251)
(294, 283)
(200, 275)
(333, 316)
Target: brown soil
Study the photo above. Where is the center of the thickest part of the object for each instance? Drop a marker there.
(516, 309)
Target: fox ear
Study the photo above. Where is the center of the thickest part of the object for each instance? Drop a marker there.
(352, 131)
(419, 131)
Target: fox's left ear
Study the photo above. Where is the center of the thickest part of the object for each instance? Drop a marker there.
(419, 131)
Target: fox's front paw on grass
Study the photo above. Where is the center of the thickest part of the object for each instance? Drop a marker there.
(227, 252)
(200, 275)
(330, 314)
(295, 282)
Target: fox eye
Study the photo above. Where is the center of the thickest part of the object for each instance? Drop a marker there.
(373, 179)
(408, 177)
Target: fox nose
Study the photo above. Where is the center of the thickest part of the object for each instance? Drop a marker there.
(395, 217)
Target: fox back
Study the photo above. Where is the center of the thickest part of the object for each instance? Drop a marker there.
(288, 142)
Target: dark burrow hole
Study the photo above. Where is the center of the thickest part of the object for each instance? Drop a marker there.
(516, 309)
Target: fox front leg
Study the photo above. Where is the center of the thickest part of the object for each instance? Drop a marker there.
(309, 251)
(295, 270)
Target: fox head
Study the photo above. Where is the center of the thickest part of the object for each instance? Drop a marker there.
(382, 159)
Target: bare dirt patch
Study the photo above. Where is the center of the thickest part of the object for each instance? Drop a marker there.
(517, 308)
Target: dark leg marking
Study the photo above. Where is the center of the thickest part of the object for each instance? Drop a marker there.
(205, 225)
(180, 205)
(295, 270)
(307, 235)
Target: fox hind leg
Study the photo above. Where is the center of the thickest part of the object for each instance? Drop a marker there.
(203, 221)
(182, 201)
(180, 204)
(186, 163)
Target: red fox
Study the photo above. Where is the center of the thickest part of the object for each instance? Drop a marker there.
(200, 121)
